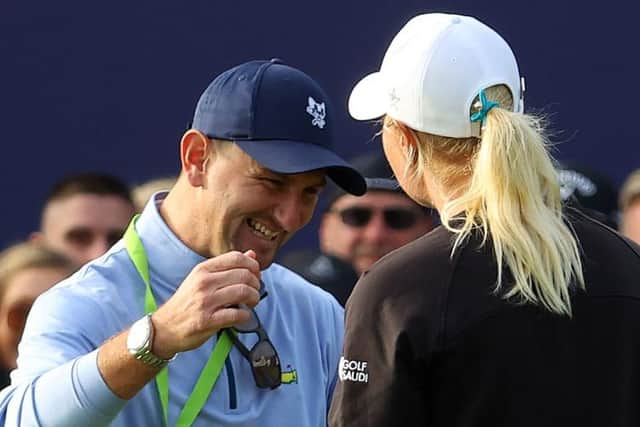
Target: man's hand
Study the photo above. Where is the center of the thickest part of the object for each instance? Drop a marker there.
(206, 302)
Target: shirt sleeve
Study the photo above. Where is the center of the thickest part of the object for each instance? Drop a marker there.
(334, 347)
(57, 382)
(381, 369)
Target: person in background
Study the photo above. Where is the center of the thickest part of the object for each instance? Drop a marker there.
(26, 271)
(629, 204)
(84, 215)
(356, 231)
(588, 190)
(517, 310)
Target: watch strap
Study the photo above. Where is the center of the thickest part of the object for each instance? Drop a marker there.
(145, 355)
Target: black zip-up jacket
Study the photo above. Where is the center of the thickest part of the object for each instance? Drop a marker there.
(429, 343)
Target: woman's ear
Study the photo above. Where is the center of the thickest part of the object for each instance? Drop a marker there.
(195, 149)
(408, 138)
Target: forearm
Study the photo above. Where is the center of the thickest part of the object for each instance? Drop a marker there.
(124, 375)
(89, 391)
(70, 395)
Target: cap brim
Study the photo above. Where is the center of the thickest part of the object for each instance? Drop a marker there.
(369, 98)
(290, 157)
(383, 184)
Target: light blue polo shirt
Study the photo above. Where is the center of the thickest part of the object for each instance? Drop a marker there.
(57, 382)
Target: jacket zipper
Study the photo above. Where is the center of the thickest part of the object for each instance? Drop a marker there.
(233, 397)
(233, 401)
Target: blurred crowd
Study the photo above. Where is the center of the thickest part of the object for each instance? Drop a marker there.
(85, 214)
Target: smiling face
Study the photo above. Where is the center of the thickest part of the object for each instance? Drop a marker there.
(241, 205)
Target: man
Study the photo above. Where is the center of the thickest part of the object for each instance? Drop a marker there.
(26, 271)
(629, 202)
(84, 215)
(252, 167)
(355, 232)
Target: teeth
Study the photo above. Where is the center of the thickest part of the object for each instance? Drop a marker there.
(262, 229)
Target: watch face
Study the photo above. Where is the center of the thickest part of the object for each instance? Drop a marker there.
(138, 335)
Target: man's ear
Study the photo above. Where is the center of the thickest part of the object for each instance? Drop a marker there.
(194, 154)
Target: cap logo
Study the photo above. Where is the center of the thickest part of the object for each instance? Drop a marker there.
(393, 99)
(318, 112)
(322, 267)
(571, 181)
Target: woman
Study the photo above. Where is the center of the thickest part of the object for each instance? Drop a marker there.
(514, 312)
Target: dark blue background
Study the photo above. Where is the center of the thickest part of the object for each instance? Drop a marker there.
(110, 86)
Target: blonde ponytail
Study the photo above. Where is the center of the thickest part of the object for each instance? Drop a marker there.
(512, 196)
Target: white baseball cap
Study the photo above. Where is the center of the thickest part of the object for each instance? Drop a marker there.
(433, 70)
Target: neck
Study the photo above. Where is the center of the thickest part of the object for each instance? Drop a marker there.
(181, 220)
(440, 192)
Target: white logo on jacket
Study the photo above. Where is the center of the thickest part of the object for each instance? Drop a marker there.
(318, 112)
(353, 370)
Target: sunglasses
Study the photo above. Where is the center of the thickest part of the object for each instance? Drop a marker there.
(396, 218)
(263, 357)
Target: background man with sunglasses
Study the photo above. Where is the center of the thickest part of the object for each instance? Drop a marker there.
(355, 232)
(193, 278)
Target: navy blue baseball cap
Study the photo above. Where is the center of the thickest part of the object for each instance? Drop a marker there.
(279, 116)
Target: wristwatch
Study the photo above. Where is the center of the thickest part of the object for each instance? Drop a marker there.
(140, 341)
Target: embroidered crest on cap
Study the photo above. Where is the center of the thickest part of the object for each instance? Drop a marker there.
(318, 112)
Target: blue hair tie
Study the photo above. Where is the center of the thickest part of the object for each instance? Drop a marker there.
(486, 106)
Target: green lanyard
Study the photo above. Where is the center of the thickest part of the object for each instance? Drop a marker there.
(211, 370)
